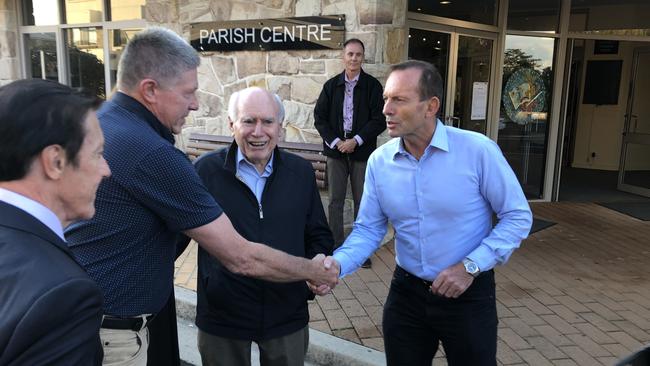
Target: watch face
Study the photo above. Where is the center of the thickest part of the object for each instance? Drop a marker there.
(471, 267)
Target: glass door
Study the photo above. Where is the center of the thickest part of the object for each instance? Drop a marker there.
(634, 170)
(465, 63)
(471, 83)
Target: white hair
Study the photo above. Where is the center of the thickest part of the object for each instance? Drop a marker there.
(233, 110)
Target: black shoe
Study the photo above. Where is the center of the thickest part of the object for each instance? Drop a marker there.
(367, 264)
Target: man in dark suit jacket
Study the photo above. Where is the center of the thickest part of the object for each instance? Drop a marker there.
(50, 166)
(348, 115)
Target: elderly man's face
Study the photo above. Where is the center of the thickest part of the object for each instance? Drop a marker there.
(257, 129)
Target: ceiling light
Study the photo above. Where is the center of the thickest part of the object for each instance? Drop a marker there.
(445, 2)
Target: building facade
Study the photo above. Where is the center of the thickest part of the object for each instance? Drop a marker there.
(561, 85)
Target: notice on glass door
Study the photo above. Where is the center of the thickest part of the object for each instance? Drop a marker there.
(479, 100)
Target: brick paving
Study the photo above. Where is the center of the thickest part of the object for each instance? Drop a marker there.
(577, 293)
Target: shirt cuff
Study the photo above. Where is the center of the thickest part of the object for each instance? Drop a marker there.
(483, 257)
(346, 268)
(333, 144)
(359, 140)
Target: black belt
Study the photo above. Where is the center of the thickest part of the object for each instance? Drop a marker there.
(347, 135)
(399, 271)
(135, 323)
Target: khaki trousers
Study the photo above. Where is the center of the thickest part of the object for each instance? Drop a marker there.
(124, 347)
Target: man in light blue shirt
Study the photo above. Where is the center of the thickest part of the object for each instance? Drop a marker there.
(439, 186)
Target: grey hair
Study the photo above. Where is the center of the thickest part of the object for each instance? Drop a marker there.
(234, 99)
(157, 53)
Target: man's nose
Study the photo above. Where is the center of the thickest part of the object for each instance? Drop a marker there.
(387, 108)
(194, 103)
(258, 128)
(105, 169)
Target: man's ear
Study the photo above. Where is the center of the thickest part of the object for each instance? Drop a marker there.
(282, 133)
(147, 89)
(230, 125)
(433, 106)
(53, 161)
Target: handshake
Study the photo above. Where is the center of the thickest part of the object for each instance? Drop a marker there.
(326, 276)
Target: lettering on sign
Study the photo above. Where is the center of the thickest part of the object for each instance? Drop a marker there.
(299, 33)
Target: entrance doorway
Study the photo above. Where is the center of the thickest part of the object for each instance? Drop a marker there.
(464, 59)
(606, 135)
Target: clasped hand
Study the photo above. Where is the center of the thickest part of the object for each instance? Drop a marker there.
(452, 282)
(347, 146)
(330, 278)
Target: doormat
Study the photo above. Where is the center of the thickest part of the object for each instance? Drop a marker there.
(539, 225)
(639, 210)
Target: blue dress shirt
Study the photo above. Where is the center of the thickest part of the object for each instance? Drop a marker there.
(247, 173)
(440, 206)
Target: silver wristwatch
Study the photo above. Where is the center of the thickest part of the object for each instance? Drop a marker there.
(471, 267)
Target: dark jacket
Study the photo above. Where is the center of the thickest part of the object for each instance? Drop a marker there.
(368, 121)
(291, 219)
(50, 310)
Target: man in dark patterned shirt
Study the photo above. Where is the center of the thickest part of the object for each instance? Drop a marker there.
(154, 196)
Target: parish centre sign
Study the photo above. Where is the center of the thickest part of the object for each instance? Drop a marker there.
(298, 33)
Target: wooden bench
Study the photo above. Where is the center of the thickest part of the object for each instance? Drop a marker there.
(200, 143)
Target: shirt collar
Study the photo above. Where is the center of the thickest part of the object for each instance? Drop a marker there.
(242, 159)
(439, 140)
(131, 104)
(34, 208)
(354, 79)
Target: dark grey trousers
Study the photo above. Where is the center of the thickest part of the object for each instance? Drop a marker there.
(289, 350)
(338, 171)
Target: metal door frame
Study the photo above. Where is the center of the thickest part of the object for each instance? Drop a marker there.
(631, 137)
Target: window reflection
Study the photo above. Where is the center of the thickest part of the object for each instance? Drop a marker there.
(41, 50)
(477, 11)
(595, 17)
(472, 80)
(118, 38)
(86, 59)
(127, 9)
(534, 15)
(40, 12)
(525, 108)
(83, 11)
(432, 47)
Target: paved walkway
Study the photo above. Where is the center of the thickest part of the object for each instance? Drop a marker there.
(577, 293)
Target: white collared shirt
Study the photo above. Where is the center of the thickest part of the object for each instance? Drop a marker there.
(36, 209)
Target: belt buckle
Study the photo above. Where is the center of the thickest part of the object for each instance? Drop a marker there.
(347, 134)
(138, 325)
(427, 284)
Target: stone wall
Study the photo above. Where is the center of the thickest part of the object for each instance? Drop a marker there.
(297, 76)
(9, 64)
